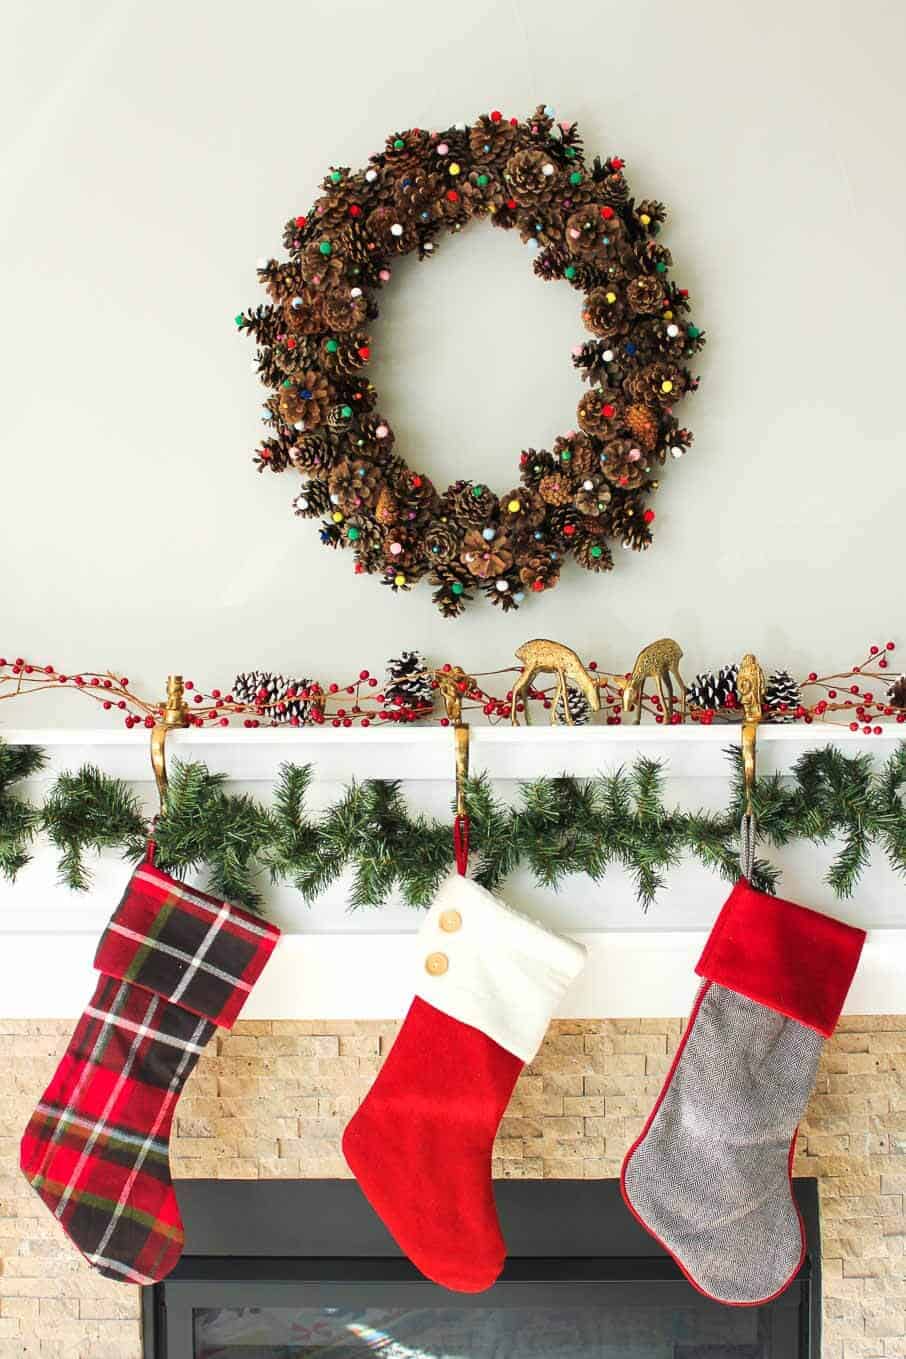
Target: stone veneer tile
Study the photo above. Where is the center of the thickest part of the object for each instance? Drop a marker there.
(270, 1100)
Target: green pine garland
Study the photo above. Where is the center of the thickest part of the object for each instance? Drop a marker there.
(556, 827)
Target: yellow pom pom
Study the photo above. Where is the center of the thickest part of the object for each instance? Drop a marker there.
(667, 315)
(514, 507)
(644, 219)
(611, 298)
(399, 579)
(667, 385)
(337, 517)
(455, 168)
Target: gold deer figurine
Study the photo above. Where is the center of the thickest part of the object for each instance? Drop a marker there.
(540, 657)
(659, 662)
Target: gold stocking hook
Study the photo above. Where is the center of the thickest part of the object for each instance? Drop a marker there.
(750, 685)
(175, 714)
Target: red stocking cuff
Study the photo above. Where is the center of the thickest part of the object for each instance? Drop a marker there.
(792, 959)
(194, 950)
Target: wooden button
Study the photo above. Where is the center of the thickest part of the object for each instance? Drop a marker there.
(450, 921)
(437, 964)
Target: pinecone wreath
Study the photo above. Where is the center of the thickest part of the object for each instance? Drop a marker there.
(408, 684)
(577, 705)
(715, 691)
(782, 696)
(896, 694)
(576, 216)
(278, 695)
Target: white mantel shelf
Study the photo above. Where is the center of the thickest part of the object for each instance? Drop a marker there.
(425, 753)
(331, 965)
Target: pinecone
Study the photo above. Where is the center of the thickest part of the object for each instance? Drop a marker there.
(392, 231)
(604, 312)
(592, 553)
(555, 489)
(294, 355)
(782, 695)
(314, 455)
(354, 485)
(659, 384)
(645, 295)
(535, 464)
(896, 694)
(578, 705)
(715, 691)
(624, 519)
(576, 454)
(386, 507)
(592, 231)
(623, 464)
(598, 411)
(481, 189)
(453, 582)
(375, 438)
(344, 355)
(408, 684)
(313, 501)
(531, 177)
(492, 139)
(320, 263)
(522, 510)
(470, 504)
(303, 401)
(442, 541)
(345, 308)
(644, 425)
(404, 150)
(304, 312)
(278, 695)
(593, 497)
(486, 558)
(650, 214)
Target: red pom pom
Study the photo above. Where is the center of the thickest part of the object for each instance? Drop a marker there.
(364, 352)
(569, 530)
(617, 162)
(649, 516)
(452, 196)
(607, 213)
(608, 411)
(496, 116)
(512, 204)
(301, 221)
(355, 210)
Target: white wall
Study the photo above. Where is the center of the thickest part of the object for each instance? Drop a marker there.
(151, 154)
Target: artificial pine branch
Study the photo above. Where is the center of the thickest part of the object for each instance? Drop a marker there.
(89, 810)
(18, 818)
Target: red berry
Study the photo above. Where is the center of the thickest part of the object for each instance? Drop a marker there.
(332, 688)
(445, 721)
(149, 721)
(891, 646)
(812, 676)
(592, 665)
(832, 693)
(854, 726)
(877, 730)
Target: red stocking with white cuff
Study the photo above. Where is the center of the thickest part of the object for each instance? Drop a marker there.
(710, 1175)
(489, 980)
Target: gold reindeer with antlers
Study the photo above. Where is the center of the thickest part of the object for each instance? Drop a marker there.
(659, 662)
(540, 657)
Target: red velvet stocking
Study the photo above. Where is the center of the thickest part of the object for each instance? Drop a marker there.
(420, 1145)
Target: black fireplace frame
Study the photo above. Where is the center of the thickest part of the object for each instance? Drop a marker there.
(305, 1234)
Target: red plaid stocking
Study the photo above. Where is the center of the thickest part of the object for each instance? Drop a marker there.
(175, 965)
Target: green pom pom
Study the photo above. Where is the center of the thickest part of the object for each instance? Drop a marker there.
(482, 181)
(693, 332)
(335, 176)
(576, 177)
(596, 551)
(661, 267)
(332, 346)
(398, 144)
(569, 271)
(239, 319)
(352, 534)
(567, 454)
(346, 412)
(325, 247)
(456, 588)
(477, 491)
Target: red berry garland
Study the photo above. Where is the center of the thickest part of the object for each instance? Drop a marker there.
(582, 226)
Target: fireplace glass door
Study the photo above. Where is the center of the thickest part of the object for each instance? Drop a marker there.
(654, 1318)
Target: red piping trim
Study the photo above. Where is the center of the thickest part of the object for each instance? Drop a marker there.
(461, 844)
(758, 1302)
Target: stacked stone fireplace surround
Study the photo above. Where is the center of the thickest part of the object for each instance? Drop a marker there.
(270, 1100)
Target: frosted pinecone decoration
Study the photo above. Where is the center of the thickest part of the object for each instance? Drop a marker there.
(713, 691)
(408, 683)
(577, 705)
(276, 694)
(782, 696)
